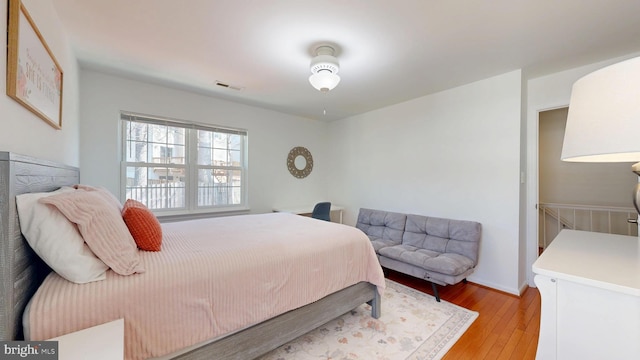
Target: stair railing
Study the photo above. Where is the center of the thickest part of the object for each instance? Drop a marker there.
(606, 219)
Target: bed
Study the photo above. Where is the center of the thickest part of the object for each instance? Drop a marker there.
(22, 272)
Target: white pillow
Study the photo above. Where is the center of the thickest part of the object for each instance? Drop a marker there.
(57, 240)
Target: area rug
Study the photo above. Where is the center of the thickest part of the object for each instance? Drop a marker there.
(413, 326)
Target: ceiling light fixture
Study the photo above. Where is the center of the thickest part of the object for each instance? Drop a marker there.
(324, 67)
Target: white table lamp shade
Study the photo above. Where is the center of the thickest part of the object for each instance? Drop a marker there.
(603, 124)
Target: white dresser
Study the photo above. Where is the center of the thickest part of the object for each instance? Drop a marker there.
(590, 289)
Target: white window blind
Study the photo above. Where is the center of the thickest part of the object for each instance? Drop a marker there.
(180, 167)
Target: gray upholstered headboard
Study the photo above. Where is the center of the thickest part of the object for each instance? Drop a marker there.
(21, 270)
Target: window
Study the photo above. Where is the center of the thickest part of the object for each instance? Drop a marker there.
(177, 167)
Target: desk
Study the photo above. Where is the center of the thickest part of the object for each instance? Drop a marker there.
(589, 284)
(306, 210)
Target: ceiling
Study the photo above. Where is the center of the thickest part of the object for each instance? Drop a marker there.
(389, 52)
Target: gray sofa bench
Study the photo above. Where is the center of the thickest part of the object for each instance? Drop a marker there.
(441, 251)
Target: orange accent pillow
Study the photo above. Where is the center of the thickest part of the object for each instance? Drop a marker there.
(143, 225)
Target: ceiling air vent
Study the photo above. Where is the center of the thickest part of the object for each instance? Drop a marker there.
(227, 86)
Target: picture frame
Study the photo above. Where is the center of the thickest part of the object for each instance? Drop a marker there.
(34, 77)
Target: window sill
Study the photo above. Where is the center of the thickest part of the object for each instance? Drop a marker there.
(200, 215)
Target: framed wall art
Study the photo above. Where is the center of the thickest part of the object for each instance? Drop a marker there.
(34, 77)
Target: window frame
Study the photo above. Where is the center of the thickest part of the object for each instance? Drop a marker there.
(191, 166)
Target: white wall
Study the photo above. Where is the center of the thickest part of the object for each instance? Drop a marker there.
(271, 136)
(546, 93)
(22, 131)
(454, 154)
(604, 184)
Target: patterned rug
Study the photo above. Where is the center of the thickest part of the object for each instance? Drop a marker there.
(413, 326)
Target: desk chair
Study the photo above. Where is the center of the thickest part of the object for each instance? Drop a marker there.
(322, 211)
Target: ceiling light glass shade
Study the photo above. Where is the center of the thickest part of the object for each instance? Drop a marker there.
(324, 80)
(603, 124)
(324, 69)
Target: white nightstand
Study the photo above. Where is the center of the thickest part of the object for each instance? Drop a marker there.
(102, 342)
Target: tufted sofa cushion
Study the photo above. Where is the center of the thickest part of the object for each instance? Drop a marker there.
(446, 263)
(443, 235)
(437, 245)
(382, 227)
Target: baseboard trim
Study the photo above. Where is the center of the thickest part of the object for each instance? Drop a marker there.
(489, 284)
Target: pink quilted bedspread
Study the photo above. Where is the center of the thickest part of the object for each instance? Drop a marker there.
(212, 277)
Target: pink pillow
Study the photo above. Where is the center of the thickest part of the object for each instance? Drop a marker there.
(106, 194)
(102, 228)
(143, 225)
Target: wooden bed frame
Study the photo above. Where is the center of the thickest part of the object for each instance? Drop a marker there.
(22, 272)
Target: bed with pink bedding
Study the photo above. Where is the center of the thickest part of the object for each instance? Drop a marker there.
(222, 288)
(213, 277)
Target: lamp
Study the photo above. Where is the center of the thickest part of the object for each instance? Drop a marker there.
(603, 124)
(324, 67)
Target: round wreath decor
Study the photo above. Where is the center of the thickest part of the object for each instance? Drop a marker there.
(291, 162)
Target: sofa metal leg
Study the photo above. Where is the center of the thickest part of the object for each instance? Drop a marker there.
(435, 291)
(464, 280)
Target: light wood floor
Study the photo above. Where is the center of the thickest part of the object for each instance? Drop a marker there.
(507, 326)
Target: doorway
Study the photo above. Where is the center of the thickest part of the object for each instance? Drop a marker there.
(581, 196)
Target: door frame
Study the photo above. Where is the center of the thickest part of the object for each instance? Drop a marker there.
(532, 213)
